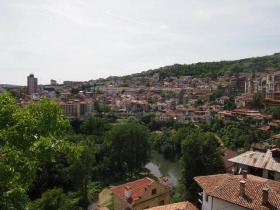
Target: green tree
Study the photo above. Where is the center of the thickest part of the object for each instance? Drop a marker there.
(129, 147)
(14, 93)
(148, 118)
(101, 107)
(274, 111)
(257, 100)
(168, 95)
(230, 103)
(52, 175)
(95, 126)
(29, 137)
(81, 169)
(198, 103)
(216, 93)
(181, 134)
(54, 199)
(201, 155)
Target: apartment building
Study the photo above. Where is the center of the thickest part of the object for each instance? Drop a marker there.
(32, 84)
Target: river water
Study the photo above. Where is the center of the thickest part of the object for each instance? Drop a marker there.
(158, 166)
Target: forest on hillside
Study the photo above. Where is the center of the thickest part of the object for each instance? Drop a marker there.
(215, 69)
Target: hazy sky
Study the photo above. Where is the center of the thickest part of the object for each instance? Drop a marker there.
(88, 39)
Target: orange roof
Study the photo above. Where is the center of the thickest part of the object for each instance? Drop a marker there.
(264, 128)
(276, 136)
(227, 187)
(224, 97)
(137, 187)
(227, 155)
(176, 206)
(273, 124)
(272, 100)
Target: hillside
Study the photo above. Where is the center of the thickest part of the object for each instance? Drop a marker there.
(215, 69)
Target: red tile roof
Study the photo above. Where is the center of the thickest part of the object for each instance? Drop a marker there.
(227, 155)
(276, 136)
(176, 206)
(137, 187)
(227, 187)
(264, 128)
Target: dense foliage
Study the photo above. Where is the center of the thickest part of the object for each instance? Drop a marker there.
(29, 137)
(47, 165)
(215, 69)
(274, 111)
(201, 155)
(54, 199)
(129, 146)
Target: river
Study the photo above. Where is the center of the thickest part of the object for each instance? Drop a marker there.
(158, 166)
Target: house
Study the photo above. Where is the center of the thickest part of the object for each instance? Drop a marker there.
(244, 100)
(260, 161)
(221, 100)
(176, 206)
(238, 192)
(141, 194)
(228, 154)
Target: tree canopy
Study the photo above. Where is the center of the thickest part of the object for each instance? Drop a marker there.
(201, 155)
(214, 69)
(95, 126)
(29, 137)
(129, 147)
(53, 199)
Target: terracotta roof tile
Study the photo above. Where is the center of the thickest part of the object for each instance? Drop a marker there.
(227, 155)
(137, 187)
(276, 136)
(176, 206)
(227, 187)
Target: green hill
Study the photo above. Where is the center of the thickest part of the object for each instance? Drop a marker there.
(215, 69)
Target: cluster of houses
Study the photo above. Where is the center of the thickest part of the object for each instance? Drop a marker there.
(171, 99)
(254, 178)
(253, 183)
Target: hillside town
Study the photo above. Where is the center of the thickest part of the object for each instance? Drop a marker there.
(184, 99)
(139, 105)
(252, 181)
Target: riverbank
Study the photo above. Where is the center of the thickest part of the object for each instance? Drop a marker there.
(158, 167)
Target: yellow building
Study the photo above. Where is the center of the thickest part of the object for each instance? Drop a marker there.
(141, 194)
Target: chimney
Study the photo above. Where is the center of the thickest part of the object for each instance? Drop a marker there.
(127, 192)
(244, 174)
(265, 195)
(164, 181)
(242, 188)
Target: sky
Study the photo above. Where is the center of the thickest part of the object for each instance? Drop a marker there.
(80, 40)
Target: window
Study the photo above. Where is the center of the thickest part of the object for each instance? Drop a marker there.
(161, 203)
(206, 197)
(154, 191)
